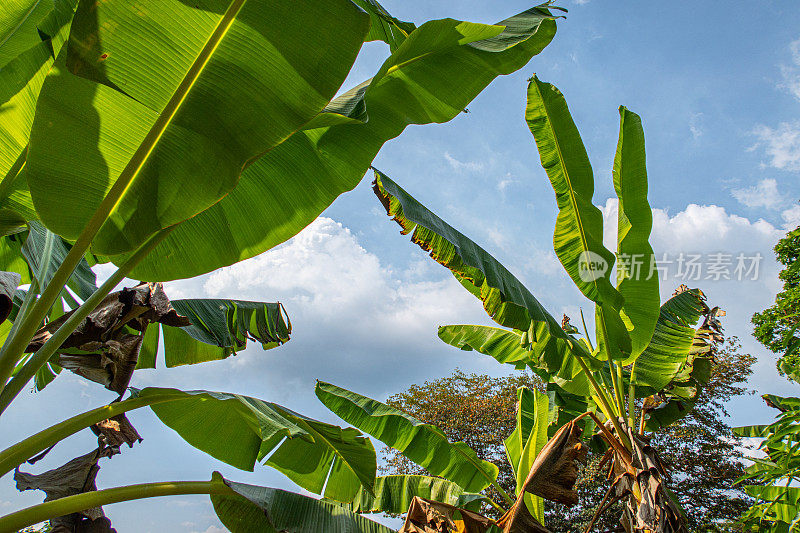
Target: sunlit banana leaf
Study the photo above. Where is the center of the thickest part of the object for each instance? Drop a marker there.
(678, 397)
(383, 26)
(393, 494)
(578, 237)
(637, 278)
(22, 23)
(431, 77)
(671, 343)
(241, 430)
(423, 443)
(21, 79)
(253, 509)
(220, 328)
(527, 440)
(504, 297)
(169, 101)
(503, 345)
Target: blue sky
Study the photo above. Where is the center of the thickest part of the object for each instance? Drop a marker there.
(718, 89)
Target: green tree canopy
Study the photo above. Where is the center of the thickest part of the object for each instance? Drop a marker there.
(776, 326)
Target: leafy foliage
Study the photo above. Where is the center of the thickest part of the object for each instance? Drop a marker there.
(777, 326)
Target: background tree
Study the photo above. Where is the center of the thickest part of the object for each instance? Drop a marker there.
(776, 326)
(476, 409)
(700, 448)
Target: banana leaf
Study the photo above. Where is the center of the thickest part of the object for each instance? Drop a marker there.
(431, 77)
(679, 396)
(637, 278)
(393, 494)
(503, 345)
(526, 441)
(21, 79)
(422, 443)
(671, 343)
(578, 237)
(168, 102)
(219, 329)
(241, 430)
(254, 509)
(23, 22)
(507, 301)
(383, 26)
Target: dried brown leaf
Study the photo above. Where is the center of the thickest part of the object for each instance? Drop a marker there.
(75, 477)
(116, 431)
(555, 470)
(108, 341)
(428, 516)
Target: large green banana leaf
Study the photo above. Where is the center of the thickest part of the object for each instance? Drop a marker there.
(254, 509)
(240, 430)
(21, 79)
(423, 443)
(503, 345)
(383, 26)
(671, 343)
(527, 440)
(637, 279)
(504, 297)
(168, 102)
(679, 396)
(21, 24)
(431, 77)
(219, 329)
(578, 237)
(393, 494)
(513, 347)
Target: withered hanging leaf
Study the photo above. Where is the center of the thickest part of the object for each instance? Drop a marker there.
(75, 477)
(428, 516)
(116, 431)
(105, 347)
(554, 472)
(9, 281)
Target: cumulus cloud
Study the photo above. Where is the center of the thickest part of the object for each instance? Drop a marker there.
(705, 231)
(791, 217)
(781, 144)
(764, 194)
(354, 317)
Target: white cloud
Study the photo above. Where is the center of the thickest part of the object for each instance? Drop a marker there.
(791, 73)
(353, 317)
(213, 529)
(695, 125)
(791, 217)
(781, 144)
(765, 194)
(472, 166)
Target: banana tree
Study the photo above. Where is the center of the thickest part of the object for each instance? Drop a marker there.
(659, 354)
(170, 139)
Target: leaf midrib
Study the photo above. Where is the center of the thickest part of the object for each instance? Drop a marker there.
(574, 205)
